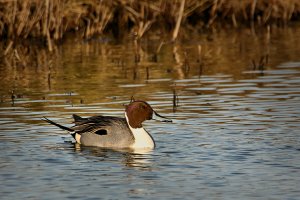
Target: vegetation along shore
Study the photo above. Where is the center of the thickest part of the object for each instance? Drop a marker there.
(49, 21)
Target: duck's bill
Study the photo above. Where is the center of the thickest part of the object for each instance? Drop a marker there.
(160, 118)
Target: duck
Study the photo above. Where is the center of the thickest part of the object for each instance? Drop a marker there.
(115, 132)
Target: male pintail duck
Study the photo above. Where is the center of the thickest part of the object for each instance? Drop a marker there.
(114, 132)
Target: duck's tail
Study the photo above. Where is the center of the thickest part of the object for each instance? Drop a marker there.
(58, 125)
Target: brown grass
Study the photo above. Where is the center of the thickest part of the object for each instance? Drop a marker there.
(50, 20)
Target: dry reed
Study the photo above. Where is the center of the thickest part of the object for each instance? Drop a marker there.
(50, 20)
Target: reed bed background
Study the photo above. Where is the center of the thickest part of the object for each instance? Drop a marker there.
(49, 21)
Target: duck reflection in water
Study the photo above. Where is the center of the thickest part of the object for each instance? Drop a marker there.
(136, 158)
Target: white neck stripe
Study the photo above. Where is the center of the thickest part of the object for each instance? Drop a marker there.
(142, 139)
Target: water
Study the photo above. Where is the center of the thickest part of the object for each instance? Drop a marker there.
(235, 130)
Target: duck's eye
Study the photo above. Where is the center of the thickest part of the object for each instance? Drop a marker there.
(142, 106)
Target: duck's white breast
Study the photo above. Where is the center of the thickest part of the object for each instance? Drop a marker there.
(142, 138)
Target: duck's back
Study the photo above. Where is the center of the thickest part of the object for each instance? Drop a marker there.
(103, 131)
